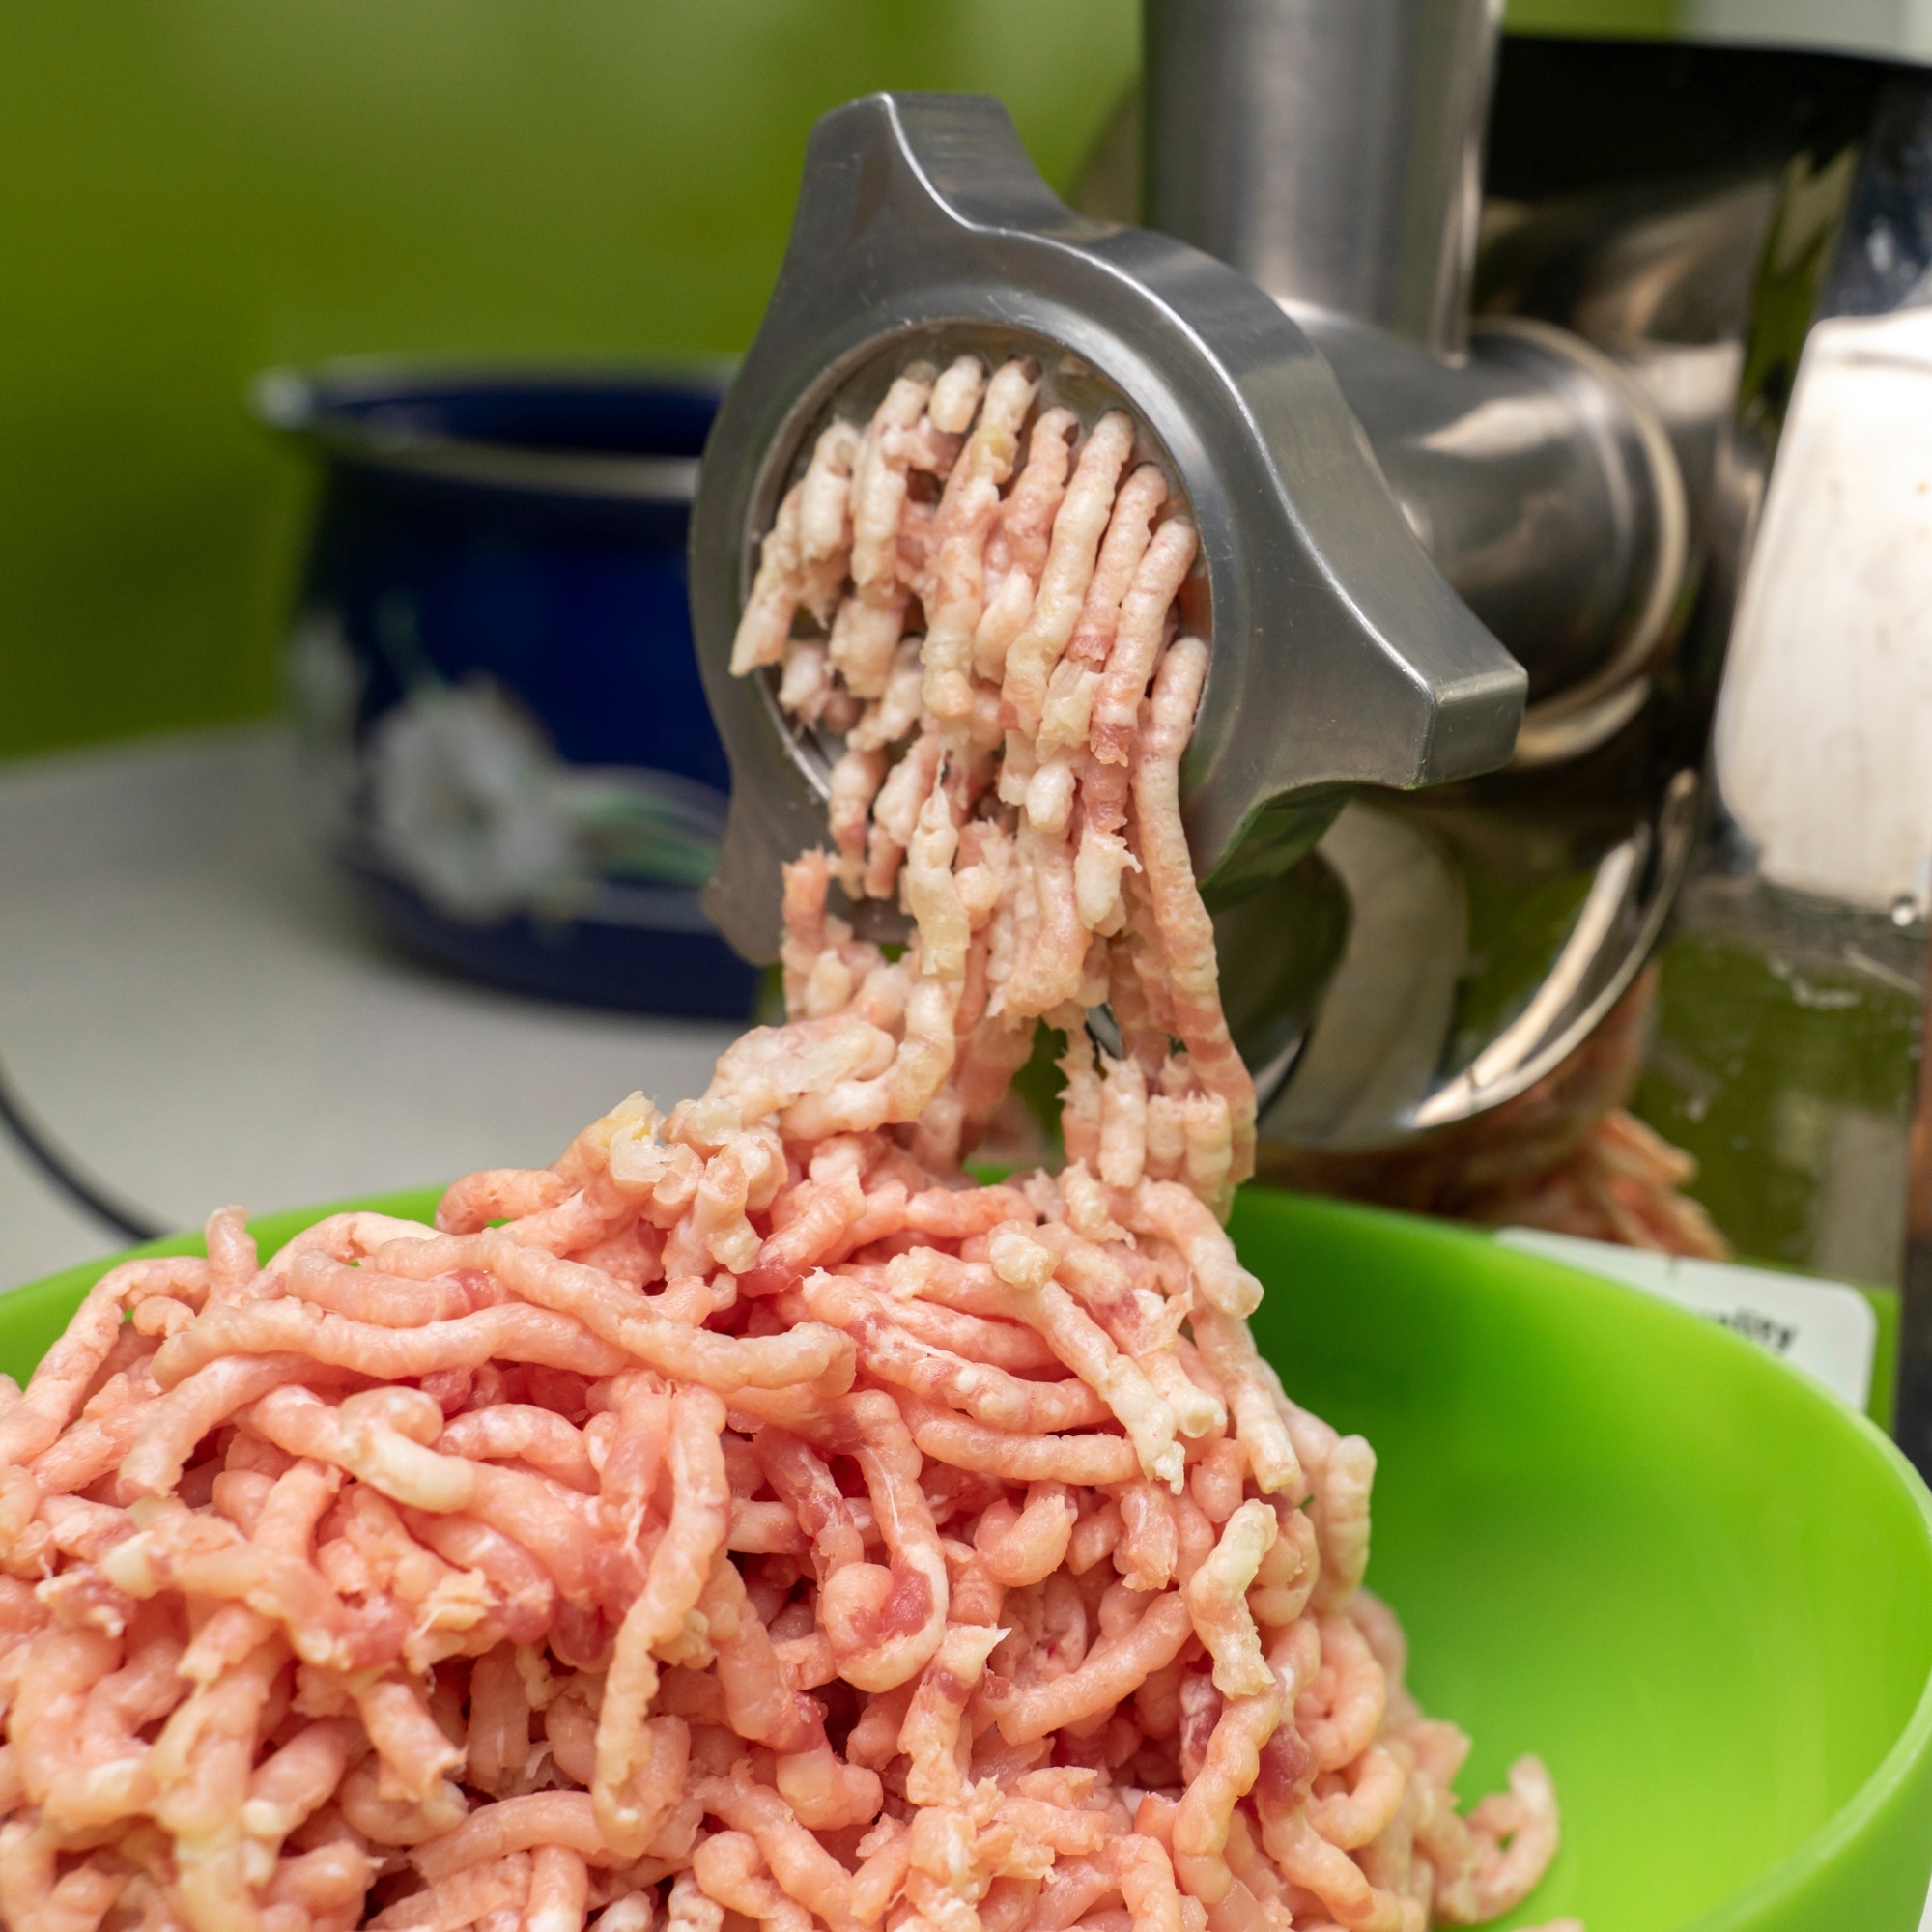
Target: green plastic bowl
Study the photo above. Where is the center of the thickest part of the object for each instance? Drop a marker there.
(1619, 1536)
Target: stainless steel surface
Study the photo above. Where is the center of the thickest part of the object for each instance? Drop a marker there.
(1693, 291)
(1779, 1056)
(1588, 467)
(1663, 287)
(921, 221)
(1391, 1052)
(1777, 310)
(1334, 156)
(1330, 150)
(1542, 483)
(1698, 271)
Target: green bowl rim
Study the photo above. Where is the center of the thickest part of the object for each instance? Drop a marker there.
(1914, 1738)
(1782, 1879)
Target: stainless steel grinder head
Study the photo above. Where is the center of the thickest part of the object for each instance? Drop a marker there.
(1340, 656)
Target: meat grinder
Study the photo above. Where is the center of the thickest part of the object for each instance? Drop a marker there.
(1429, 551)
(1478, 448)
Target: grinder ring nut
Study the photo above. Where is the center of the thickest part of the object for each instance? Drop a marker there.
(1342, 657)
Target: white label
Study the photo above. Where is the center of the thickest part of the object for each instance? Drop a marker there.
(1825, 1329)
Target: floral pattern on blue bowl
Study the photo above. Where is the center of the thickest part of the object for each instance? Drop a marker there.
(505, 739)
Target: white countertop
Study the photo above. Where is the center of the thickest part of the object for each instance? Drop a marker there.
(191, 1003)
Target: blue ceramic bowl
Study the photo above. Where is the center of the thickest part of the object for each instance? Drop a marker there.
(506, 743)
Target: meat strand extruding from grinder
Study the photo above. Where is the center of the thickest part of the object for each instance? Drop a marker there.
(747, 1514)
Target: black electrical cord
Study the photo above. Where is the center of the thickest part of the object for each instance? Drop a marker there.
(38, 1144)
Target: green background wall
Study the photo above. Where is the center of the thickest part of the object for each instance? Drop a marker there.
(193, 189)
(1638, 18)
